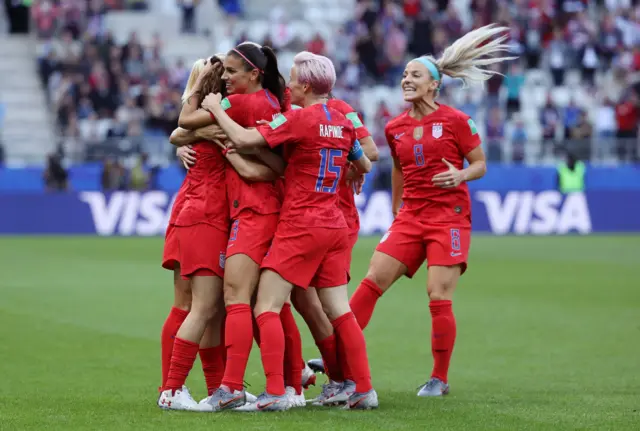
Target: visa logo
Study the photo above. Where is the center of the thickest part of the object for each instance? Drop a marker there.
(129, 213)
(544, 213)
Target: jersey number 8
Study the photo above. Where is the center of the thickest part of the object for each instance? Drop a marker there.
(418, 154)
(327, 168)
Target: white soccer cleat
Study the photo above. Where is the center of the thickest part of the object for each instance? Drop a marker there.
(294, 399)
(348, 389)
(329, 390)
(180, 399)
(366, 401)
(251, 398)
(308, 377)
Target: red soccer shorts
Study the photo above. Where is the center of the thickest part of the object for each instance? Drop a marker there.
(309, 256)
(251, 234)
(171, 250)
(201, 247)
(352, 239)
(410, 241)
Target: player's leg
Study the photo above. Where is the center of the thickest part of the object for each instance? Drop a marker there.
(177, 314)
(336, 304)
(273, 292)
(212, 350)
(447, 252)
(206, 293)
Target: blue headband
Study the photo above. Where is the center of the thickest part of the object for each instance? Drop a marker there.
(430, 66)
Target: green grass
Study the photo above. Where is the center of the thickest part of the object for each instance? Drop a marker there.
(548, 338)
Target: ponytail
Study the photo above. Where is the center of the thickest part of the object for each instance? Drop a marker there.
(272, 80)
(466, 56)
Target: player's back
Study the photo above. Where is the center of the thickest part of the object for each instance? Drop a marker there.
(316, 160)
(261, 197)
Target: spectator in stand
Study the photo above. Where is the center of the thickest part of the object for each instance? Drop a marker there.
(558, 53)
(317, 45)
(45, 15)
(494, 134)
(610, 40)
(113, 176)
(518, 139)
(188, 15)
(605, 127)
(628, 118)
(514, 81)
(140, 176)
(581, 135)
(55, 176)
(493, 86)
(589, 61)
(395, 48)
(571, 116)
(549, 121)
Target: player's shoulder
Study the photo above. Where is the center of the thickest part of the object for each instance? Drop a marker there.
(340, 105)
(396, 123)
(453, 113)
(233, 100)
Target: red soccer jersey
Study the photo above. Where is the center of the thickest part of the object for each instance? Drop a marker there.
(317, 141)
(345, 193)
(420, 146)
(261, 197)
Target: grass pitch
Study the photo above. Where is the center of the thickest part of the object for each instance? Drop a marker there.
(548, 338)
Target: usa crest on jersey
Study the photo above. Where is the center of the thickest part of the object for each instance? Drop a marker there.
(436, 130)
(222, 260)
(417, 133)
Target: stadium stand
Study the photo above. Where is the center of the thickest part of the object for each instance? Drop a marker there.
(112, 71)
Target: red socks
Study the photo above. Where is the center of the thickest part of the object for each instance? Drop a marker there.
(443, 337)
(239, 340)
(352, 341)
(272, 351)
(329, 351)
(169, 330)
(184, 355)
(213, 359)
(364, 301)
(293, 360)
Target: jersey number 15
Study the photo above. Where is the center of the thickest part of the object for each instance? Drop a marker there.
(328, 171)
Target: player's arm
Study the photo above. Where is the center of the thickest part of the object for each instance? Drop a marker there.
(477, 165)
(191, 117)
(397, 186)
(370, 148)
(247, 166)
(272, 160)
(362, 133)
(180, 137)
(210, 133)
(359, 160)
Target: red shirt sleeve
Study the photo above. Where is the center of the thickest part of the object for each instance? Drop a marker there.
(281, 130)
(353, 116)
(467, 137)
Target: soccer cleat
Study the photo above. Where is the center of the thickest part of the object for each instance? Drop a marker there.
(272, 403)
(308, 377)
(223, 400)
(329, 390)
(294, 399)
(249, 407)
(179, 399)
(433, 388)
(366, 401)
(317, 365)
(250, 397)
(348, 389)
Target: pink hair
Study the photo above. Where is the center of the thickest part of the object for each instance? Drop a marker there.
(315, 70)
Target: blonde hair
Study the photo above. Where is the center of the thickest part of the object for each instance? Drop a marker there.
(197, 67)
(464, 58)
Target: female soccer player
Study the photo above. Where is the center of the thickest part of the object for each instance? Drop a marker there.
(201, 230)
(307, 302)
(434, 220)
(257, 92)
(170, 259)
(311, 239)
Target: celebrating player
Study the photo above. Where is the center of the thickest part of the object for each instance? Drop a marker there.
(170, 260)
(429, 144)
(307, 302)
(311, 240)
(201, 231)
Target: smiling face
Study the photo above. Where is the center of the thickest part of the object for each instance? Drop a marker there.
(237, 79)
(417, 82)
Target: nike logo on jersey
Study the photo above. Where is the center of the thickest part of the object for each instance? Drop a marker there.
(455, 254)
(398, 136)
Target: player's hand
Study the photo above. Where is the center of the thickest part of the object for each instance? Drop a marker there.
(358, 183)
(211, 101)
(262, 122)
(448, 179)
(187, 155)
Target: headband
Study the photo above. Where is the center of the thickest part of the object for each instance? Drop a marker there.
(247, 60)
(430, 66)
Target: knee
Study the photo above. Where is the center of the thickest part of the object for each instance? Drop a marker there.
(182, 299)
(206, 312)
(439, 290)
(308, 309)
(382, 280)
(236, 292)
(265, 306)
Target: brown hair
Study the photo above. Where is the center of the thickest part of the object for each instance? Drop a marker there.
(212, 80)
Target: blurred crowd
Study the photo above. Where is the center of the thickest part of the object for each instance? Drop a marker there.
(101, 90)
